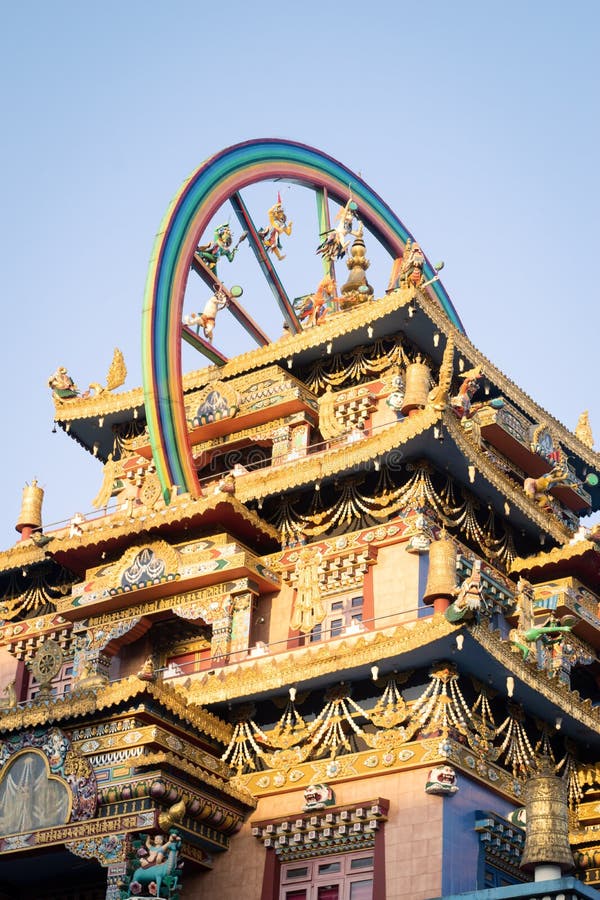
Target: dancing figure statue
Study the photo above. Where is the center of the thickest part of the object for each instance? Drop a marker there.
(220, 246)
(337, 240)
(278, 225)
(313, 308)
(207, 318)
(461, 403)
(537, 488)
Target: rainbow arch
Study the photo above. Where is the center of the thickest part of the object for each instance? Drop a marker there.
(189, 213)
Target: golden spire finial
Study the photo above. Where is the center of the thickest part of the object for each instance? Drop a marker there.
(583, 430)
(357, 288)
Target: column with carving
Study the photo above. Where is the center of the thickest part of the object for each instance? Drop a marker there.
(240, 623)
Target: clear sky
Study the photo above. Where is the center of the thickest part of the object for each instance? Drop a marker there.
(478, 122)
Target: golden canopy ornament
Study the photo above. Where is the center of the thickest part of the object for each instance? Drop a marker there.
(308, 607)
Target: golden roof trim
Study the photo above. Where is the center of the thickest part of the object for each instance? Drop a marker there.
(24, 553)
(275, 479)
(527, 404)
(147, 520)
(281, 670)
(417, 754)
(183, 765)
(92, 701)
(500, 481)
(556, 555)
(102, 404)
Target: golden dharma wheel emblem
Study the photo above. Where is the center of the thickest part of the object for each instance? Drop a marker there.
(47, 662)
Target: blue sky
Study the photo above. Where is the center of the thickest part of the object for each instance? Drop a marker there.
(477, 122)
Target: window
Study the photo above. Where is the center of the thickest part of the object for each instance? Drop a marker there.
(345, 877)
(61, 683)
(189, 656)
(342, 613)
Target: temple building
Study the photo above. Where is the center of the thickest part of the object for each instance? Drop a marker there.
(331, 630)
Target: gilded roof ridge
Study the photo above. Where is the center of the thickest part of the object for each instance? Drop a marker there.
(557, 554)
(23, 553)
(291, 344)
(257, 358)
(98, 405)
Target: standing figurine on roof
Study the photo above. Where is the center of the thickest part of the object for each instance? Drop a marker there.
(220, 246)
(337, 240)
(278, 225)
(413, 261)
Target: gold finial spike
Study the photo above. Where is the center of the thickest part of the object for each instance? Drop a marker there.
(30, 517)
(357, 288)
(583, 430)
(547, 851)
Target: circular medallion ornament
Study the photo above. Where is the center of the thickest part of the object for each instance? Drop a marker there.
(47, 662)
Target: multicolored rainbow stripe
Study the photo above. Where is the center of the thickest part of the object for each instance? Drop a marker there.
(189, 214)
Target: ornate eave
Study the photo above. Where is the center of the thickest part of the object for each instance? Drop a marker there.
(291, 346)
(475, 357)
(128, 690)
(23, 554)
(507, 488)
(120, 407)
(104, 404)
(270, 674)
(535, 688)
(216, 512)
(567, 553)
(338, 459)
(580, 558)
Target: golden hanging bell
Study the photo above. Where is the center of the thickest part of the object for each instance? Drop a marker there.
(441, 577)
(418, 383)
(547, 834)
(31, 507)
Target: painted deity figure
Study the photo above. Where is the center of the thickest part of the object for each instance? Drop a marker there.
(155, 847)
(537, 488)
(158, 873)
(220, 246)
(278, 225)
(207, 318)
(411, 273)
(461, 402)
(313, 308)
(337, 240)
(63, 386)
